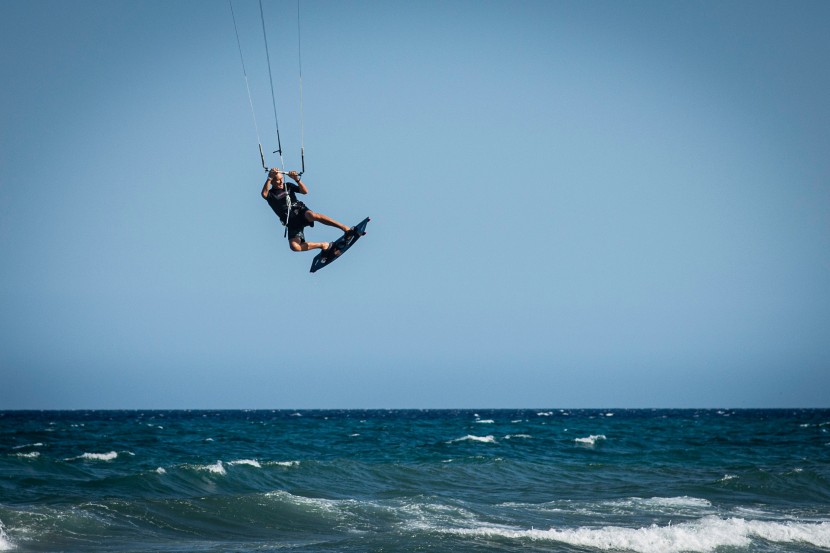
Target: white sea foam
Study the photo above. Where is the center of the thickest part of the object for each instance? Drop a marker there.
(633, 506)
(5, 543)
(669, 506)
(682, 501)
(471, 438)
(111, 456)
(512, 436)
(30, 455)
(216, 468)
(249, 462)
(337, 507)
(285, 463)
(704, 535)
(101, 456)
(788, 532)
(590, 440)
(545, 414)
(39, 444)
(161, 470)
(485, 421)
(426, 516)
(755, 513)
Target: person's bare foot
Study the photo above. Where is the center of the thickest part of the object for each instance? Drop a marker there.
(330, 251)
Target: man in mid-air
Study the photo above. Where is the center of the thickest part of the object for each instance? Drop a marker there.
(295, 216)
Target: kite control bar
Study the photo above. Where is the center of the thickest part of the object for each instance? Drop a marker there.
(285, 172)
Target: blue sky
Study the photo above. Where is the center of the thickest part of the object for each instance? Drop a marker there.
(574, 204)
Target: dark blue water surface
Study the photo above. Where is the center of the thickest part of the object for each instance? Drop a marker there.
(530, 480)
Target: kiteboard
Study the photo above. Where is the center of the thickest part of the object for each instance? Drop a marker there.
(342, 244)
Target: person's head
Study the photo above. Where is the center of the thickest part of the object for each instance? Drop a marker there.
(275, 174)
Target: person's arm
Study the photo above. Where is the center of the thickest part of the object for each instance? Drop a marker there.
(303, 189)
(266, 187)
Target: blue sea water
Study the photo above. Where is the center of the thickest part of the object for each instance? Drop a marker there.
(460, 481)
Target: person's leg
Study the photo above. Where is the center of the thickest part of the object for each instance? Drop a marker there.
(313, 217)
(298, 245)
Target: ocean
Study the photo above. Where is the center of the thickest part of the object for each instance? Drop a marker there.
(553, 480)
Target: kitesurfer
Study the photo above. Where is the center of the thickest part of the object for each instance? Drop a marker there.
(294, 214)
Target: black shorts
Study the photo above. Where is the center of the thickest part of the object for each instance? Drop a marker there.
(297, 222)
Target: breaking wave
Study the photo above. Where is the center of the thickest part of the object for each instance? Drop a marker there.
(705, 535)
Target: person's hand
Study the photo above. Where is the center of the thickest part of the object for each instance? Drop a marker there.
(294, 175)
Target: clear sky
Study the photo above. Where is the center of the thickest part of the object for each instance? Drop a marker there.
(574, 204)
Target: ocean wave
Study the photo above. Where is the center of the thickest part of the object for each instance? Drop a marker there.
(513, 436)
(181, 520)
(590, 440)
(423, 518)
(111, 456)
(249, 462)
(471, 438)
(682, 506)
(704, 535)
(682, 501)
(30, 455)
(215, 468)
(422, 515)
(283, 463)
(39, 444)
(329, 505)
(485, 421)
(221, 467)
(341, 513)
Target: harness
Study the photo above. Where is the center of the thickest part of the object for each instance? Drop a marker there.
(290, 208)
(287, 196)
(288, 204)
